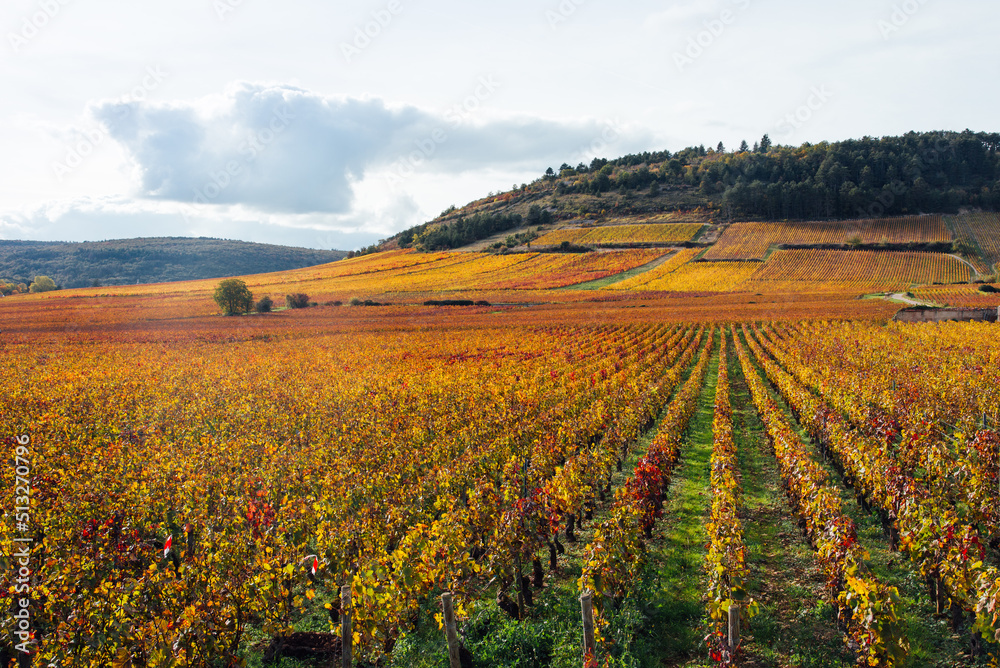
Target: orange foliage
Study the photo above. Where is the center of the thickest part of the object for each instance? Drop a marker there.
(983, 230)
(750, 241)
(623, 234)
(793, 270)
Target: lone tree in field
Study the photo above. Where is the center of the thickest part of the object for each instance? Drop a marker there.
(234, 297)
(43, 284)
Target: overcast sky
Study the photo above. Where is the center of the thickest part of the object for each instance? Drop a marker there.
(332, 124)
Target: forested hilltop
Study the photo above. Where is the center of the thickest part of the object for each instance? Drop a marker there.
(931, 172)
(148, 260)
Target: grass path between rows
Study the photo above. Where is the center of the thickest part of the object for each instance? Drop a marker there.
(677, 553)
(624, 276)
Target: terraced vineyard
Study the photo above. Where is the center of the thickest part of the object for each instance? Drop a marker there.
(705, 277)
(612, 235)
(482, 271)
(797, 271)
(791, 270)
(983, 230)
(751, 241)
(675, 262)
(972, 296)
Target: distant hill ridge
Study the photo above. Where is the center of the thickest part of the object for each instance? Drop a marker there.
(149, 260)
(928, 172)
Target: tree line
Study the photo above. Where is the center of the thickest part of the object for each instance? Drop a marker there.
(461, 232)
(40, 284)
(128, 261)
(932, 172)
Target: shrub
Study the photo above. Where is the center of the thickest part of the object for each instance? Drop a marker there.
(9, 288)
(43, 284)
(264, 305)
(297, 300)
(355, 301)
(449, 302)
(963, 247)
(988, 288)
(233, 297)
(566, 247)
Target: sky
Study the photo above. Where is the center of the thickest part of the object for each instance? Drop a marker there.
(329, 124)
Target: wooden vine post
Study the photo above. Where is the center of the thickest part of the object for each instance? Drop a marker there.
(518, 572)
(451, 631)
(734, 626)
(519, 583)
(589, 644)
(346, 630)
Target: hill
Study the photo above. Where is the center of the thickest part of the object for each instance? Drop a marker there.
(931, 172)
(149, 260)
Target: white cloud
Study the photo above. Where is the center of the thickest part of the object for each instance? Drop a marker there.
(284, 149)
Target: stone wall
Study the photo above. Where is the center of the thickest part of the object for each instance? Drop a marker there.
(948, 315)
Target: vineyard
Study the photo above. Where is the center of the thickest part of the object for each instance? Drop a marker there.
(451, 459)
(983, 231)
(797, 271)
(972, 296)
(704, 277)
(195, 497)
(751, 241)
(409, 276)
(477, 271)
(410, 272)
(672, 264)
(857, 271)
(613, 235)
